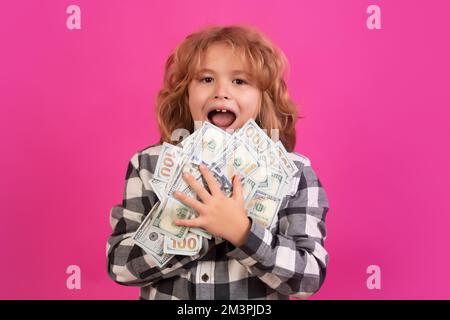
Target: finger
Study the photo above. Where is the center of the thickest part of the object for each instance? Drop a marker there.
(189, 201)
(213, 185)
(194, 223)
(197, 187)
(238, 192)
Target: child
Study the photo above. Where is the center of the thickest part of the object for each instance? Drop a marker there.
(239, 70)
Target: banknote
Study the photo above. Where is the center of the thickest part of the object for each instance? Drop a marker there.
(179, 184)
(160, 259)
(218, 240)
(189, 246)
(258, 140)
(169, 211)
(267, 175)
(187, 143)
(201, 232)
(286, 164)
(261, 175)
(249, 187)
(209, 142)
(238, 158)
(263, 207)
(167, 162)
(285, 161)
(252, 134)
(151, 240)
(158, 187)
(277, 184)
(165, 168)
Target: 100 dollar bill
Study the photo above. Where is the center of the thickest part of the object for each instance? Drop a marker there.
(164, 217)
(189, 246)
(237, 158)
(151, 241)
(210, 142)
(263, 207)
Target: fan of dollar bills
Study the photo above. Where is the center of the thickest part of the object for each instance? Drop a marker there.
(266, 172)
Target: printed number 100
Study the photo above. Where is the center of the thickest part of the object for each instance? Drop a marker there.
(191, 243)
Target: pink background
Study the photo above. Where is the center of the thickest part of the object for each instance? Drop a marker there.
(77, 104)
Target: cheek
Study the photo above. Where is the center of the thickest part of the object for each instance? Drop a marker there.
(251, 103)
(196, 95)
(196, 102)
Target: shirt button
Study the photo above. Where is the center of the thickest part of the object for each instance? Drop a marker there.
(205, 277)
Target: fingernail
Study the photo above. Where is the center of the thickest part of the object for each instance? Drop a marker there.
(202, 166)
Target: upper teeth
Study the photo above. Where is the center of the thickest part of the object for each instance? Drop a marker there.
(221, 110)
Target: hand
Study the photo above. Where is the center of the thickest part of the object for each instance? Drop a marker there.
(222, 216)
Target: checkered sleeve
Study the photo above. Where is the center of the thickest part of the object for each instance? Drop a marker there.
(291, 259)
(127, 263)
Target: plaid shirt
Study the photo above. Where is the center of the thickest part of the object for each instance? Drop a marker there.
(287, 260)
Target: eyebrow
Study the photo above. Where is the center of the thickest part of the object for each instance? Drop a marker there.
(232, 71)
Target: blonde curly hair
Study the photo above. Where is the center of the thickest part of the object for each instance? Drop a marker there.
(267, 64)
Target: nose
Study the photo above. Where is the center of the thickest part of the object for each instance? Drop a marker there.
(221, 91)
(221, 97)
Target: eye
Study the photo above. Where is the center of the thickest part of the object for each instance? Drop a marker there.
(240, 81)
(206, 79)
(210, 79)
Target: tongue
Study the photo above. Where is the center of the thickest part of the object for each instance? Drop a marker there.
(222, 119)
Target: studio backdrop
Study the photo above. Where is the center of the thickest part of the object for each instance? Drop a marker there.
(78, 82)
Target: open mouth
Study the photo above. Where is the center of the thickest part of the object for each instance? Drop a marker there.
(221, 118)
